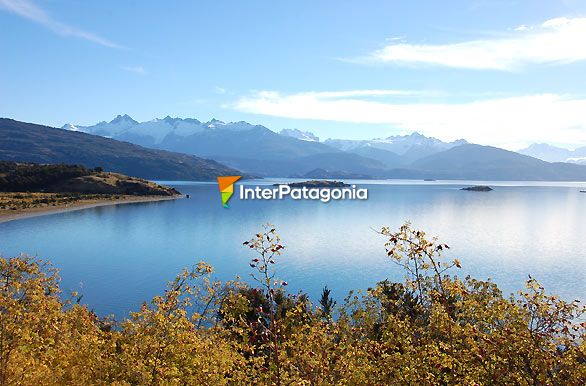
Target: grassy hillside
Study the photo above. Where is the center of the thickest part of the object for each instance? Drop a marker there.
(26, 177)
(27, 142)
(491, 163)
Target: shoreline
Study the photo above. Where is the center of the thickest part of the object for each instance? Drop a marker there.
(47, 210)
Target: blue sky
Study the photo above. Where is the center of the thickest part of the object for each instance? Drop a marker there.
(505, 73)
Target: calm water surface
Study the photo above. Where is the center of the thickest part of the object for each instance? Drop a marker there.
(118, 256)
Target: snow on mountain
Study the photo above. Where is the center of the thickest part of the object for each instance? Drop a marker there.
(546, 152)
(233, 126)
(302, 135)
(398, 144)
(577, 160)
(214, 123)
(114, 128)
(550, 153)
(71, 127)
(175, 133)
(155, 131)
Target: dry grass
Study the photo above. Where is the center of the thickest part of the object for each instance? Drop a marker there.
(14, 203)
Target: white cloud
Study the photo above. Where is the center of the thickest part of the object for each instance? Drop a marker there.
(137, 70)
(366, 93)
(559, 40)
(511, 122)
(219, 90)
(522, 28)
(29, 10)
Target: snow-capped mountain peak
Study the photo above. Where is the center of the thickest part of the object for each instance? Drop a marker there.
(172, 131)
(302, 135)
(70, 127)
(398, 144)
(214, 123)
(550, 153)
(155, 131)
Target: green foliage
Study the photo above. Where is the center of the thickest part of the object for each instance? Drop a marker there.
(327, 303)
(432, 329)
(21, 177)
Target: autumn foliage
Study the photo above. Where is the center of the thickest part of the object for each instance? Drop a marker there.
(432, 329)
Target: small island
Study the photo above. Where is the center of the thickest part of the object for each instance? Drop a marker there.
(316, 184)
(480, 188)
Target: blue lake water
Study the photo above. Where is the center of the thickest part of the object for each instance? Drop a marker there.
(118, 256)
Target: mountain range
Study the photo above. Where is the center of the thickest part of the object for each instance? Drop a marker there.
(188, 149)
(395, 151)
(550, 153)
(28, 142)
(257, 150)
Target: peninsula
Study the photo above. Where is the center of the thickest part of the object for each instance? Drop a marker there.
(28, 189)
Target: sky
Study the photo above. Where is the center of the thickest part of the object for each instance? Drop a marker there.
(505, 73)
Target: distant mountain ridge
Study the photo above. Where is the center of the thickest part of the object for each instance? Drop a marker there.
(550, 153)
(398, 144)
(302, 135)
(157, 131)
(476, 162)
(28, 142)
(241, 145)
(260, 151)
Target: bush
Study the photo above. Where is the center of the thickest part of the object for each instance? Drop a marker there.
(432, 329)
(22, 177)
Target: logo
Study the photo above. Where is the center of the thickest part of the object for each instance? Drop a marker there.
(300, 191)
(226, 185)
(324, 191)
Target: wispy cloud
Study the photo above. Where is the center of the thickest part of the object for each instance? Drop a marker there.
(366, 93)
(137, 70)
(511, 122)
(556, 41)
(219, 90)
(29, 10)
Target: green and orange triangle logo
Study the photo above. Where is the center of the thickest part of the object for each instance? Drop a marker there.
(226, 185)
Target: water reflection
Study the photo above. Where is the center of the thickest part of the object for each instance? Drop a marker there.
(125, 254)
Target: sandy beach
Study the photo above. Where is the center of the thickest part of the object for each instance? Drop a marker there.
(80, 205)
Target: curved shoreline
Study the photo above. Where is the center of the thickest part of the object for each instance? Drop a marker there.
(43, 211)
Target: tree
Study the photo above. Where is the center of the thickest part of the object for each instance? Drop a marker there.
(327, 303)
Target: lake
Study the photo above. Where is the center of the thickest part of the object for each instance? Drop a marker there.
(118, 256)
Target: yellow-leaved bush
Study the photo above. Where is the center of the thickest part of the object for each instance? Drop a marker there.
(431, 329)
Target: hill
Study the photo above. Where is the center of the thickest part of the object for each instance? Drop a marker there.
(249, 141)
(491, 163)
(550, 153)
(26, 177)
(287, 167)
(260, 151)
(387, 158)
(28, 142)
(207, 139)
(407, 147)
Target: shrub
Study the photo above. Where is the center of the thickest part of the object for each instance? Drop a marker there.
(432, 329)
